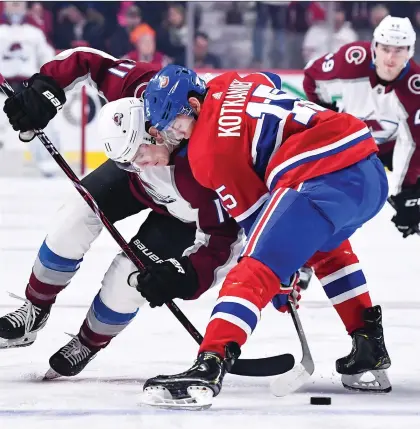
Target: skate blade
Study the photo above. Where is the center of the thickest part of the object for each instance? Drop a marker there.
(24, 341)
(290, 381)
(157, 396)
(378, 382)
(51, 375)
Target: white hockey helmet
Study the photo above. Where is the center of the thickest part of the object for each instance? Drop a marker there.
(394, 31)
(121, 129)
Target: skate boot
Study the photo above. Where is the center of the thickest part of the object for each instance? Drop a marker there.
(364, 368)
(71, 359)
(19, 328)
(194, 388)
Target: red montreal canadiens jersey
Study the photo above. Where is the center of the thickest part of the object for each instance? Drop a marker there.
(251, 137)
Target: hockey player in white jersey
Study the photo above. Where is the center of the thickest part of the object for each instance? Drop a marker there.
(185, 225)
(23, 50)
(379, 82)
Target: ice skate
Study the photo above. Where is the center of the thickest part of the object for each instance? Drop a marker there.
(19, 328)
(364, 368)
(70, 360)
(195, 388)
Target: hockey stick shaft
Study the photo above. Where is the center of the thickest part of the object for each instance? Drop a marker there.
(43, 138)
(306, 353)
(292, 380)
(249, 367)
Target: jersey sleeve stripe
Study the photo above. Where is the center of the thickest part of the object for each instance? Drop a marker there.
(316, 154)
(267, 139)
(246, 214)
(262, 222)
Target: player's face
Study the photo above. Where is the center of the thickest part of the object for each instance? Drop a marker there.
(179, 129)
(390, 60)
(149, 155)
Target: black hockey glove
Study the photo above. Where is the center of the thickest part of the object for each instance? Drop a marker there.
(163, 282)
(35, 105)
(407, 205)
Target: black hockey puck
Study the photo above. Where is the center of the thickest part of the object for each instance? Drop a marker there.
(320, 400)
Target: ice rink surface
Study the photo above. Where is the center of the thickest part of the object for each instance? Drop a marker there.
(106, 394)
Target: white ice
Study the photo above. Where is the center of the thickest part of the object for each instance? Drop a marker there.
(107, 393)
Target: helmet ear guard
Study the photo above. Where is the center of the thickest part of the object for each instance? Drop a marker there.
(394, 31)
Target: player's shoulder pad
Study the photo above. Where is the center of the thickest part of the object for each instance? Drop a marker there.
(267, 78)
(351, 61)
(407, 88)
(222, 78)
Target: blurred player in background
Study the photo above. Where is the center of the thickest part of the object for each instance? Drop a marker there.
(300, 179)
(23, 50)
(378, 82)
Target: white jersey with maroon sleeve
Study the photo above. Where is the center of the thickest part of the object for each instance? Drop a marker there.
(391, 111)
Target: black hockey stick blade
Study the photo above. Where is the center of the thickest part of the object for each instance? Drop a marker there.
(264, 367)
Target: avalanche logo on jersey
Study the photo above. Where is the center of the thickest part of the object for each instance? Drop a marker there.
(414, 84)
(15, 51)
(382, 130)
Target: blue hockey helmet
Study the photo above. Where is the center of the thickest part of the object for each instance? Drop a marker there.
(166, 94)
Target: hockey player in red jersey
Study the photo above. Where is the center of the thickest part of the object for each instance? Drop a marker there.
(186, 223)
(300, 179)
(379, 82)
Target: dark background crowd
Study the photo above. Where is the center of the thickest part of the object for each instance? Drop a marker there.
(275, 34)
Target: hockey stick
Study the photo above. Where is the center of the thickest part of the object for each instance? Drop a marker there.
(287, 383)
(250, 367)
(391, 201)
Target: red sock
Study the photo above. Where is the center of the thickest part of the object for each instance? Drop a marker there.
(344, 283)
(245, 292)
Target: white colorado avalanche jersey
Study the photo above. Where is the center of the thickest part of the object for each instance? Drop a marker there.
(392, 111)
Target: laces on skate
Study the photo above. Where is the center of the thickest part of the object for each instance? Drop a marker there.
(19, 328)
(70, 359)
